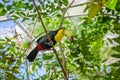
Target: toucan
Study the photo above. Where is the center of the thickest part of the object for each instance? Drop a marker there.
(44, 44)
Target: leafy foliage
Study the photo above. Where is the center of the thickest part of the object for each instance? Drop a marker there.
(10, 56)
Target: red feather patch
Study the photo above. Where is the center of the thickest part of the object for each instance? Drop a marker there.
(39, 47)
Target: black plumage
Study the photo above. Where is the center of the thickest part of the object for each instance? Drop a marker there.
(45, 44)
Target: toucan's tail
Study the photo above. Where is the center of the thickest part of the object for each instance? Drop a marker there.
(32, 55)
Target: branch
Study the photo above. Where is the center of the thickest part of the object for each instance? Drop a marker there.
(71, 21)
(68, 6)
(43, 25)
(19, 25)
(76, 15)
(63, 59)
(87, 15)
(22, 27)
(81, 4)
(63, 12)
(59, 6)
(34, 26)
(27, 74)
(60, 45)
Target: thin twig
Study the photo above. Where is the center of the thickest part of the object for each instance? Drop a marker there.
(81, 4)
(83, 15)
(68, 6)
(26, 63)
(58, 2)
(76, 15)
(23, 29)
(63, 13)
(34, 26)
(60, 44)
(39, 15)
(72, 21)
(63, 57)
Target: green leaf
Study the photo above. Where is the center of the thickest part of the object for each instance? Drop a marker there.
(30, 15)
(22, 13)
(65, 2)
(15, 17)
(7, 39)
(26, 44)
(11, 11)
(33, 17)
(110, 40)
(7, 1)
(47, 56)
(117, 40)
(13, 44)
(31, 7)
(117, 48)
(86, 8)
(2, 40)
(94, 8)
(1, 47)
(2, 11)
(39, 64)
(24, 19)
(9, 7)
(110, 3)
(33, 67)
(116, 55)
(116, 64)
(11, 76)
(15, 69)
(1, 5)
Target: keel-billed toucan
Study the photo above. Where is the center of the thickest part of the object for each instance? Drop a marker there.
(44, 44)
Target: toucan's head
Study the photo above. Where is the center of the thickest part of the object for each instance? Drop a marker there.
(63, 32)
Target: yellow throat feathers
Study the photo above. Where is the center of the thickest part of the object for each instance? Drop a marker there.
(58, 37)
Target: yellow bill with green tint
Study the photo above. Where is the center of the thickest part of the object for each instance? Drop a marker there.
(68, 34)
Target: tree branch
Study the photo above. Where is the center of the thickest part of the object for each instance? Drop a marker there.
(81, 4)
(63, 12)
(71, 21)
(87, 15)
(60, 44)
(27, 74)
(76, 15)
(43, 25)
(63, 59)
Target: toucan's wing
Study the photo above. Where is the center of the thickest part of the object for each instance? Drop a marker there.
(42, 40)
(39, 39)
(47, 45)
